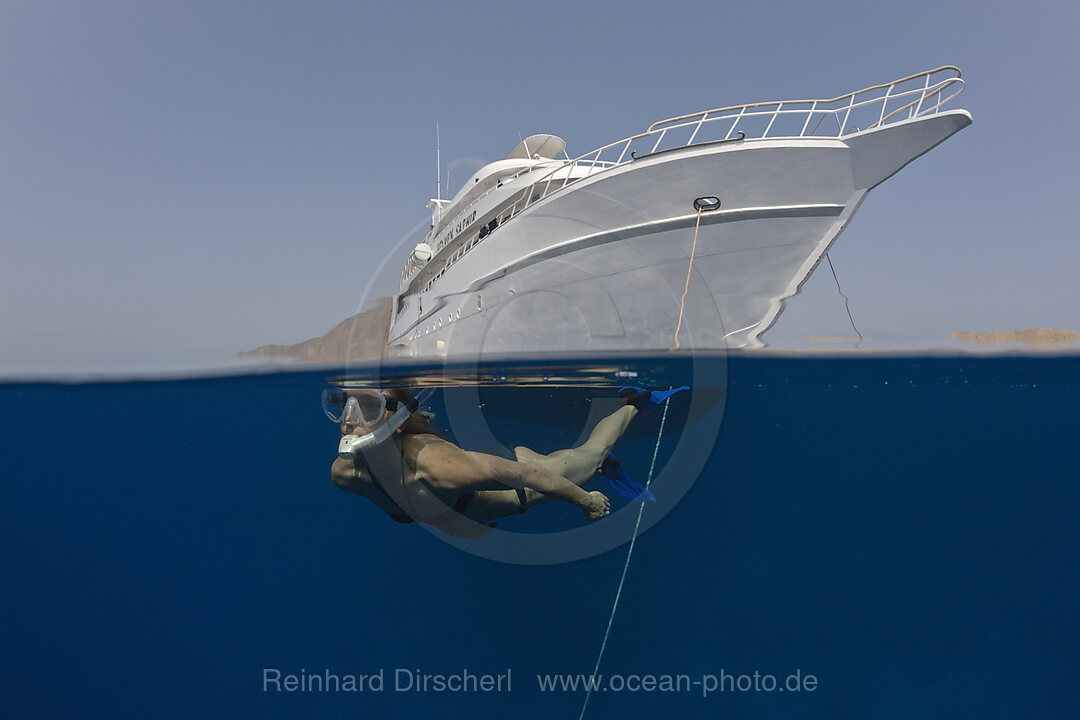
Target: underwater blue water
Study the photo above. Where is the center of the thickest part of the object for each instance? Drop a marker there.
(904, 529)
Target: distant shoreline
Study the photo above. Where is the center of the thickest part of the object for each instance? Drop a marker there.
(361, 338)
(1038, 337)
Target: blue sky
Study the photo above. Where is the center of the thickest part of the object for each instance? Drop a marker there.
(184, 180)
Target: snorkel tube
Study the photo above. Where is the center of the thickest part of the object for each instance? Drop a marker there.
(350, 445)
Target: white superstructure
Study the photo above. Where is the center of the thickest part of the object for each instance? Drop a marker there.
(540, 254)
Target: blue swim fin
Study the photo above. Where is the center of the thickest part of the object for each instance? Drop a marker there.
(638, 397)
(621, 483)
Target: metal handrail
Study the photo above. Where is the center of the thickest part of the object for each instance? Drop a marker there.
(884, 86)
(911, 95)
(449, 219)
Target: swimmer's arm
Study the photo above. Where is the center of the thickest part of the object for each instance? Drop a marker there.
(347, 476)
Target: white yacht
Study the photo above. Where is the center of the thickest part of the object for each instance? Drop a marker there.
(688, 235)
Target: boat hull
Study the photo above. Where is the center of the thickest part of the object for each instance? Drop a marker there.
(603, 264)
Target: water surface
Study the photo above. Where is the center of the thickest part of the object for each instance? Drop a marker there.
(901, 528)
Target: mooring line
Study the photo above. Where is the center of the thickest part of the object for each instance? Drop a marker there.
(682, 301)
(847, 305)
(626, 565)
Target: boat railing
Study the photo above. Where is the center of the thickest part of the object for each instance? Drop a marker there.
(911, 97)
(449, 220)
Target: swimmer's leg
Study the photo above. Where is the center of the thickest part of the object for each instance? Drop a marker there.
(490, 505)
(578, 465)
(449, 470)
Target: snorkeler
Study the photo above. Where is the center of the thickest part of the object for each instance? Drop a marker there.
(391, 456)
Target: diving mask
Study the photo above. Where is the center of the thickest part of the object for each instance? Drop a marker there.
(359, 407)
(367, 408)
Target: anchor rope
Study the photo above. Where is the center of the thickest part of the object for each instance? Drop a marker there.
(682, 300)
(626, 565)
(847, 306)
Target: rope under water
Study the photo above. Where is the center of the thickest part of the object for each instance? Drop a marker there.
(626, 565)
(682, 301)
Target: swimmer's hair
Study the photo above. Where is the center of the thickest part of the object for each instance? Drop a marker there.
(400, 394)
(420, 421)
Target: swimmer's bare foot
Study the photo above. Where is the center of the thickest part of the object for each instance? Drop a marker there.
(596, 507)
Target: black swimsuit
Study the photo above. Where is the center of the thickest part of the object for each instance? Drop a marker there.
(459, 509)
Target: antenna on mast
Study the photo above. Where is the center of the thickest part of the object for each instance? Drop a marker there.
(438, 168)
